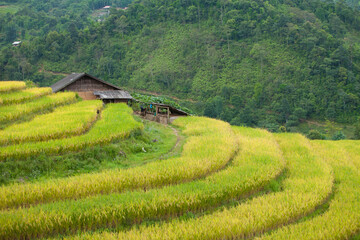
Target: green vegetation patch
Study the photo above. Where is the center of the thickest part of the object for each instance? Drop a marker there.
(8, 8)
(148, 99)
(328, 129)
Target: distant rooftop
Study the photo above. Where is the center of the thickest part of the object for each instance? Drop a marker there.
(107, 7)
(16, 43)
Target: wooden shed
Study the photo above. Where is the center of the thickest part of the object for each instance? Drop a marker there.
(86, 85)
(163, 113)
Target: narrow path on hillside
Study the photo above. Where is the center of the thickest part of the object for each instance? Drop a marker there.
(178, 145)
(176, 149)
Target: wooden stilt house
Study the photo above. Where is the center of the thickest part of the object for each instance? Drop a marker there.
(89, 87)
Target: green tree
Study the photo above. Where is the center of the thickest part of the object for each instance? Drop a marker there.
(259, 52)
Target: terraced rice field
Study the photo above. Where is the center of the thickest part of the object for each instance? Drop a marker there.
(46, 103)
(23, 95)
(64, 122)
(228, 183)
(8, 86)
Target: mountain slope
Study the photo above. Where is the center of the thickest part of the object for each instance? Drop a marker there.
(246, 62)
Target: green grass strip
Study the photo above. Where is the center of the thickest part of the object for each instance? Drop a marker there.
(258, 162)
(353, 150)
(309, 183)
(15, 112)
(209, 147)
(342, 220)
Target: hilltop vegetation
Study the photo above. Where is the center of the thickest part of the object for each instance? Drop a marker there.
(251, 63)
(228, 182)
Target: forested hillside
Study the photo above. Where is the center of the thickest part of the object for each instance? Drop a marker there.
(264, 63)
(353, 3)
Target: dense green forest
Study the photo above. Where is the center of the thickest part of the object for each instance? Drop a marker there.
(249, 62)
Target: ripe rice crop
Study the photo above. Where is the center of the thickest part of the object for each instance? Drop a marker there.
(23, 95)
(14, 112)
(342, 220)
(208, 174)
(63, 122)
(259, 161)
(209, 147)
(116, 122)
(308, 184)
(353, 150)
(6, 86)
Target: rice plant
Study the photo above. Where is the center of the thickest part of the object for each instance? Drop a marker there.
(64, 122)
(250, 170)
(219, 163)
(15, 112)
(309, 183)
(342, 219)
(23, 95)
(116, 122)
(201, 155)
(6, 86)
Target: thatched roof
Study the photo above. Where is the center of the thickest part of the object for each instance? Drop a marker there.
(72, 78)
(114, 94)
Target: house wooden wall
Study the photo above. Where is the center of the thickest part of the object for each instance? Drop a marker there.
(86, 86)
(87, 95)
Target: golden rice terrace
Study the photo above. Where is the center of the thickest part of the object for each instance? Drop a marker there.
(226, 183)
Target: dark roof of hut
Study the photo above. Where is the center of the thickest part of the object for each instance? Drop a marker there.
(171, 108)
(113, 94)
(72, 78)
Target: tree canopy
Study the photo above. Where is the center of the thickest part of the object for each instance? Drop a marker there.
(249, 62)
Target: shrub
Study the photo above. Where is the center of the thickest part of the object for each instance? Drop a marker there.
(282, 129)
(315, 134)
(357, 131)
(338, 136)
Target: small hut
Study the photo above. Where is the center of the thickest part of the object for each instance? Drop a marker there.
(163, 113)
(89, 88)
